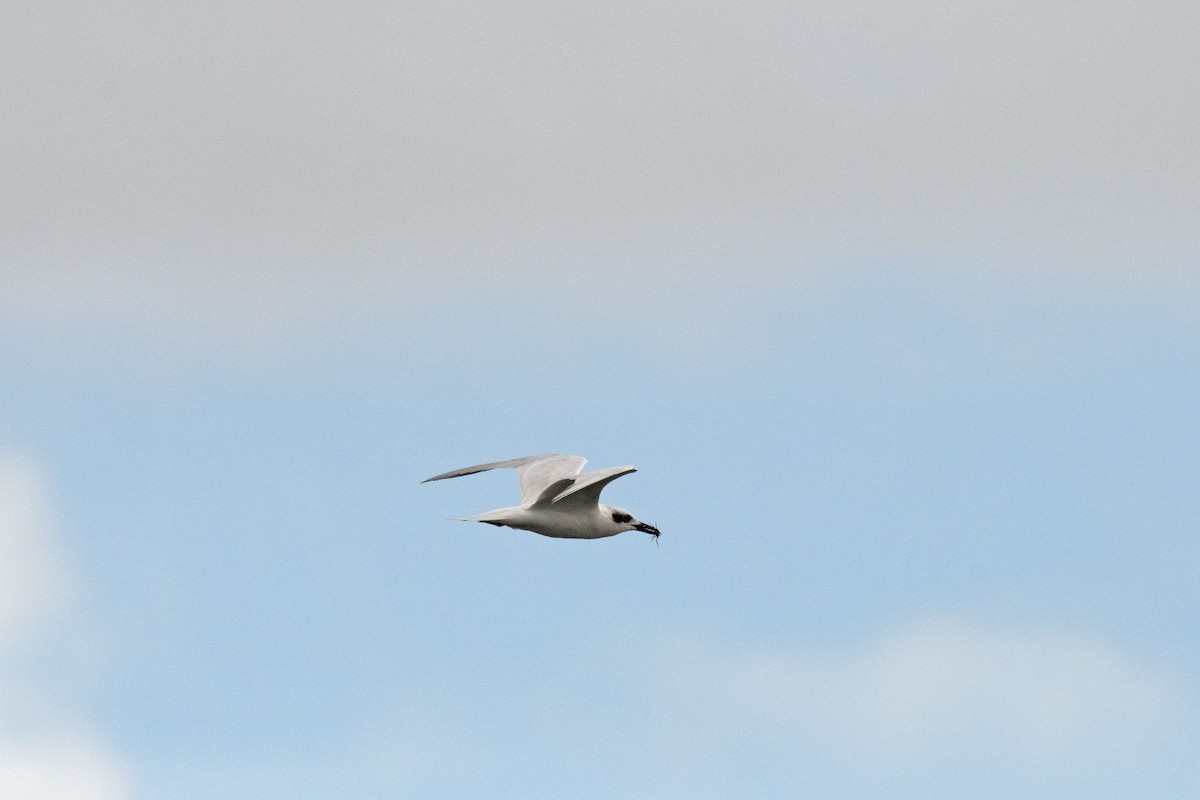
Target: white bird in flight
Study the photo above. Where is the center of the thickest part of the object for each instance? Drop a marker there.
(556, 500)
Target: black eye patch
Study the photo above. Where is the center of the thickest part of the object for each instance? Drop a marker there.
(620, 517)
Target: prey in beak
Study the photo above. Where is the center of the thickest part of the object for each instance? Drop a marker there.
(647, 528)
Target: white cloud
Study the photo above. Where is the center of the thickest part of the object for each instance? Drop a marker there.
(62, 768)
(44, 753)
(31, 582)
(941, 696)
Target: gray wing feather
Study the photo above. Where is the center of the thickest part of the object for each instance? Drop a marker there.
(534, 473)
(585, 491)
(546, 496)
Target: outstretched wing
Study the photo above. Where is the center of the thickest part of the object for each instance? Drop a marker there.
(585, 491)
(534, 473)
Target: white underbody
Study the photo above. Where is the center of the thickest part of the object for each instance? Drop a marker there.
(560, 524)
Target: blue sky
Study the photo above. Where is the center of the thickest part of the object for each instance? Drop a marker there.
(894, 310)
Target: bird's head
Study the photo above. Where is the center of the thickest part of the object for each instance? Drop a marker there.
(627, 522)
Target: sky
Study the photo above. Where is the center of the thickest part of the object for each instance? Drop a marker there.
(895, 307)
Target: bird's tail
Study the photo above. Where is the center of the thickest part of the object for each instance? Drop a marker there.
(501, 516)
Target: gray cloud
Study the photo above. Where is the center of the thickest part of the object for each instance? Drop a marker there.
(158, 154)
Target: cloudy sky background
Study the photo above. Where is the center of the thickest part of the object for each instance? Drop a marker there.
(895, 307)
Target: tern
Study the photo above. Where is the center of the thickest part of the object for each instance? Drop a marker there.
(556, 500)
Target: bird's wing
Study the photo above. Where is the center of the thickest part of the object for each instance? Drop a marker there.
(536, 476)
(534, 473)
(585, 491)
